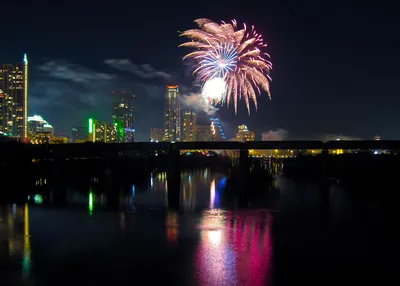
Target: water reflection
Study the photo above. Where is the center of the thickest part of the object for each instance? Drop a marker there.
(189, 191)
(199, 189)
(212, 194)
(213, 247)
(172, 227)
(91, 202)
(11, 235)
(15, 230)
(26, 265)
(234, 250)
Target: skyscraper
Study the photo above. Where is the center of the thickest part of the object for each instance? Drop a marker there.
(124, 116)
(172, 123)
(216, 130)
(243, 134)
(189, 126)
(14, 99)
(203, 133)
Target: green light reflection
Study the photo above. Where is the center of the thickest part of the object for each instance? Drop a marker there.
(91, 202)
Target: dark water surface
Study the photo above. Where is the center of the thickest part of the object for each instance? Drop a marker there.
(284, 235)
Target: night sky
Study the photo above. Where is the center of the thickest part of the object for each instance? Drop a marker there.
(335, 62)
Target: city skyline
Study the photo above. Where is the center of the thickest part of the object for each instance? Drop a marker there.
(319, 88)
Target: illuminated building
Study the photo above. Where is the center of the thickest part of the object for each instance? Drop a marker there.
(377, 137)
(102, 132)
(59, 140)
(172, 120)
(40, 138)
(37, 124)
(189, 126)
(39, 130)
(156, 134)
(244, 134)
(217, 131)
(79, 133)
(124, 116)
(14, 99)
(203, 133)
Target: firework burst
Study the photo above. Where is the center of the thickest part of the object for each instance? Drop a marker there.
(234, 55)
(214, 90)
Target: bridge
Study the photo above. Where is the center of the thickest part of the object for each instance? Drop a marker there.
(82, 149)
(122, 159)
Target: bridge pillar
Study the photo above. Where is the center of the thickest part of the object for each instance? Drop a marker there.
(244, 156)
(244, 165)
(173, 177)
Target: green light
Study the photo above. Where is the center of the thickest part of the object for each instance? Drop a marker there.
(38, 199)
(90, 125)
(119, 125)
(121, 132)
(91, 200)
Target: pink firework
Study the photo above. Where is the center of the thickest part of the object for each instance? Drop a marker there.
(232, 54)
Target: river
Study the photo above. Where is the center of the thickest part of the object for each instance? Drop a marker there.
(282, 234)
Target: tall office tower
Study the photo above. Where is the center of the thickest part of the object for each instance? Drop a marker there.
(216, 130)
(14, 99)
(124, 116)
(172, 123)
(189, 126)
(203, 133)
(243, 134)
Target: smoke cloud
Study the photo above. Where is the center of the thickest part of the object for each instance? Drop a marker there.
(195, 102)
(275, 135)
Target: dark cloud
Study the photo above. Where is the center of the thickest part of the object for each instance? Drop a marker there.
(144, 71)
(72, 72)
(66, 93)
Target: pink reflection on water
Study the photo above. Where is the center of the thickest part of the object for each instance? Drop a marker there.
(234, 250)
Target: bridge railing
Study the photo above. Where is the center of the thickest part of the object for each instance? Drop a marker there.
(92, 148)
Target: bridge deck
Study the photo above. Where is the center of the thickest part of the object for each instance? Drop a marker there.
(260, 145)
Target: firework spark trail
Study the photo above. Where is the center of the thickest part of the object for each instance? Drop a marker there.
(219, 61)
(232, 54)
